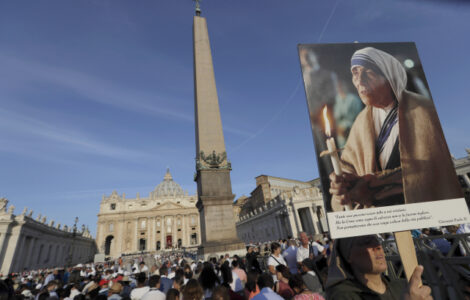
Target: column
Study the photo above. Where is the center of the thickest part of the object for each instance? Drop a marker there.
(163, 233)
(28, 260)
(136, 236)
(19, 253)
(174, 234)
(466, 179)
(153, 243)
(313, 217)
(184, 221)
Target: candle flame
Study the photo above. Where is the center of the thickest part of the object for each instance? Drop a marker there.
(327, 122)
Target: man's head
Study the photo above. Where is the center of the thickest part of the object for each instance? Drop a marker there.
(378, 77)
(52, 285)
(292, 243)
(154, 281)
(141, 277)
(163, 270)
(364, 254)
(303, 239)
(308, 265)
(265, 280)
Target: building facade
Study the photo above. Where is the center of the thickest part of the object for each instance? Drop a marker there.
(27, 243)
(166, 219)
(280, 208)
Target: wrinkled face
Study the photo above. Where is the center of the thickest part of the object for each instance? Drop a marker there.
(373, 88)
(303, 238)
(367, 256)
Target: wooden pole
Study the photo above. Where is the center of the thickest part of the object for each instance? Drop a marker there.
(406, 248)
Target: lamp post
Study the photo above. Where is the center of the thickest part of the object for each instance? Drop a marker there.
(74, 234)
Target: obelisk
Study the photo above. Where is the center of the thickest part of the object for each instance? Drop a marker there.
(214, 188)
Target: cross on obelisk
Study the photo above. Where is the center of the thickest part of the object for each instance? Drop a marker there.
(214, 188)
(198, 7)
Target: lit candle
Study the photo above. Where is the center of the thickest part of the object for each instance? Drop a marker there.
(331, 145)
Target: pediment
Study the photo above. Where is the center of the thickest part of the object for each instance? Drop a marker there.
(169, 205)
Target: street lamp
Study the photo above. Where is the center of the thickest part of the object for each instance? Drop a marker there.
(74, 234)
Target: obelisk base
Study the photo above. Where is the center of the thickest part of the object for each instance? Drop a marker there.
(216, 249)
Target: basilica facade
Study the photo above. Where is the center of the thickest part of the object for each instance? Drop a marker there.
(166, 219)
(280, 208)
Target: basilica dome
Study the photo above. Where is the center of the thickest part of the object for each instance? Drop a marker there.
(168, 188)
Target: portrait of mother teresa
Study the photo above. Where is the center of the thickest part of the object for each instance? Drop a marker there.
(396, 152)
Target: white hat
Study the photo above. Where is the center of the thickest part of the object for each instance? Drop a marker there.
(27, 294)
(38, 286)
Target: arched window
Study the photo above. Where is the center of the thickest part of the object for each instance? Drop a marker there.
(142, 244)
(107, 244)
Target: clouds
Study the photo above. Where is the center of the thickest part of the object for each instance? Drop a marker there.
(102, 91)
(26, 130)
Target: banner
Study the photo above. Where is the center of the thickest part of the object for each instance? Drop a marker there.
(381, 153)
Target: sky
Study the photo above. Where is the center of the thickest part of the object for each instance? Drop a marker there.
(97, 95)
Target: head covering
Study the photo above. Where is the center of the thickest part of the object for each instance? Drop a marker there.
(384, 64)
(27, 294)
(339, 268)
(116, 288)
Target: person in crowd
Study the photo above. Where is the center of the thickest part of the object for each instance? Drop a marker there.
(173, 294)
(239, 271)
(143, 267)
(188, 273)
(251, 286)
(208, 280)
(154, 292)
(51, 274)
(114, 291)
(282, 285)
(318, 248)
(178, 280)
(275, 259)
(290, 256)
(221, 293)
(266, 285)
(301, 291)
(231, 281)
(357, 272)
(311, 279)
(197, 270)
(193, 291)
(141, 289)
(252, 259)
(165, 282)
(52, 287)
(126, 289)
(304, 251)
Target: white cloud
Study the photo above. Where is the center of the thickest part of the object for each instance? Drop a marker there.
(26, 128)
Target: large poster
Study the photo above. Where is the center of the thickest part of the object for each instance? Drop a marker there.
(383, 161)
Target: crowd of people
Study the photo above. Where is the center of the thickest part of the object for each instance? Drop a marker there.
(303, 268)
